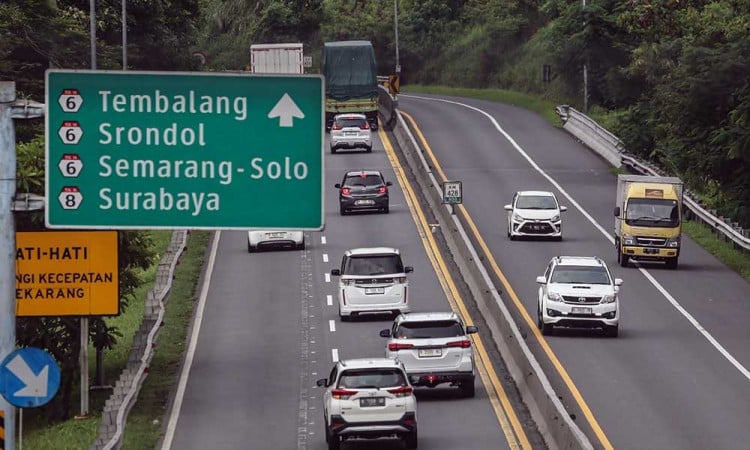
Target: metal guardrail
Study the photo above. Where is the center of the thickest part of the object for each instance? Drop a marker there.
(609, 147)
(125, 393)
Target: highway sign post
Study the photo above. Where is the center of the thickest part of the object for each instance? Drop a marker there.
(184, 150)
(452, 193)
(29, 377)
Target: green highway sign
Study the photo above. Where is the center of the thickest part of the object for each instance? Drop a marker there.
(129, 149)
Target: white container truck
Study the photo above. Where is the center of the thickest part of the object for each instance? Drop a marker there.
(276, 58)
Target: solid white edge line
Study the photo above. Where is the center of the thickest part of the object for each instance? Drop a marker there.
(332, 325)
(611, 239)
(329, 300)
(335, 354)
(185, 373)
(328, 277)
(325, 257)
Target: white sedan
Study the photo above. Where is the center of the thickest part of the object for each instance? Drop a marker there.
(258, 240)
(535, 213)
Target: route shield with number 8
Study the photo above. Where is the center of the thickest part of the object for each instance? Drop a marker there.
(70, 133)
(70, 100)
(70, 165)
(70, 197)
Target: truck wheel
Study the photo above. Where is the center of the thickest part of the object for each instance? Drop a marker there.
(467, 388)
(334, 443)
(671, 263)
(622, 258)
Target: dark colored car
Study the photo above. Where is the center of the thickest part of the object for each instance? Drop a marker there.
(364, 190)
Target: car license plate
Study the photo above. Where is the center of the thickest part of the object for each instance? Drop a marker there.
(276, 235)
(651, 251)
(351, 133)
(369, 402)
(579, 310)
(364, 202)
(374, 290)
(430, 352)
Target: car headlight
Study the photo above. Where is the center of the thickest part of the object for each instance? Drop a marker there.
(555, 218)
(517, 218)
(674, 242)
(628, 239)
(609, 298)
(554, 297)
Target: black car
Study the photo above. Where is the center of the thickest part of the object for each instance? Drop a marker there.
(364, 190)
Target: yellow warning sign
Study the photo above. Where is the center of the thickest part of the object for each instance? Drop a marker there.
(394, 84)
(67, 273)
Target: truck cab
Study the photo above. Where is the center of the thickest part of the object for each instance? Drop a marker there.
(648, 219)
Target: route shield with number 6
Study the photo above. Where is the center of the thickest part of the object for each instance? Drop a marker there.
(70, 133)
(70, 100)
(70, 165)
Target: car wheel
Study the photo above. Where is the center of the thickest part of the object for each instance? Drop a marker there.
(386, 210)
(369, 149)
(333, 151)
(545, 328)
(250, 248)
(342, 211)
(512, 236)
(334, 443)
(611, 331)
(343, 317)
(671, 263)
(327, 431)
(467, 388)
(301, 245)
(411, 440)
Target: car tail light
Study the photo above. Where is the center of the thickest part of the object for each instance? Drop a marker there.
(336, 126)
(346, 191)
(395, 346)
(465, 343)
(342, 394)
(343, 296)
(406, 298)
(402, 391)
(366, 126)
(382, 190)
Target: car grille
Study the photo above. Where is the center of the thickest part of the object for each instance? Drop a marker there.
(537, 228)
(374, 281)
(580, 300)
(651, 241)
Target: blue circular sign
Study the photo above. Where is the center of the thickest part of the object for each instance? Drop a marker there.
(29, 377)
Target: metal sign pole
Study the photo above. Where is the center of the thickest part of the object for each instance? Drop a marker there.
(84, 363)
(7, 242)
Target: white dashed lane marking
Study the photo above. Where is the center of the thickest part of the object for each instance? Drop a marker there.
(325, 257)
(322, 239)
(328, 278)
(335, 354)
(332, 325)
(329, 300)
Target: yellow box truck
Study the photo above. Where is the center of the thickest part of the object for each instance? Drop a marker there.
(648, 219)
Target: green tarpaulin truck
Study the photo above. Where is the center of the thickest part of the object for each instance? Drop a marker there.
(351, 80)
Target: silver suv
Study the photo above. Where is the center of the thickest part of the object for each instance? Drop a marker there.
(578, 291)
(351, 131)
(367, 399)
(435, 348)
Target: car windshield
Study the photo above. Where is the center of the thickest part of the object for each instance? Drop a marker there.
(373, 265)
(536, 202)
(431, 329)
(651, 212)
(363, 180)
(371, 378)
(580, 275)
(345, 122)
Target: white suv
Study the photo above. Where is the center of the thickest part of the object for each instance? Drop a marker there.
(350, 131)
(367, 399)
(435, 348)
(372, 280)
(578, 291)
(535, 213)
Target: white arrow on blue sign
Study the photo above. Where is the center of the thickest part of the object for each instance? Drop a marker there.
(29, 377)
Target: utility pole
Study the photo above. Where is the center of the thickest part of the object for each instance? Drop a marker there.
(585, 69)
(124, 35)
(395, 29)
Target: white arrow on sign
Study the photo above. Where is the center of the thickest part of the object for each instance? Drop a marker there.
(36, 385)
(286, 110)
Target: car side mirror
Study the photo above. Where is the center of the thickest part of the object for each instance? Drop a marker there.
(508, 207)
(385, 333)
(337, 185)
(540, 279)
(617, 211)
(471, 329)
(618, 281)
(335, 272)
(408, 269)
(388, 183)
(323, 382)
(563, 208)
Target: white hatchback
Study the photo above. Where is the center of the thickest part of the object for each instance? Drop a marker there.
(372, 280)
(257, 240)
(368, 399)
(535, 213)
(578, 291)
(350, 131)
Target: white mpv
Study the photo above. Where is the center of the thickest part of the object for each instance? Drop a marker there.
(372, 280)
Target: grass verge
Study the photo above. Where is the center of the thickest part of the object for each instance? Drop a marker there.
(703, 235)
